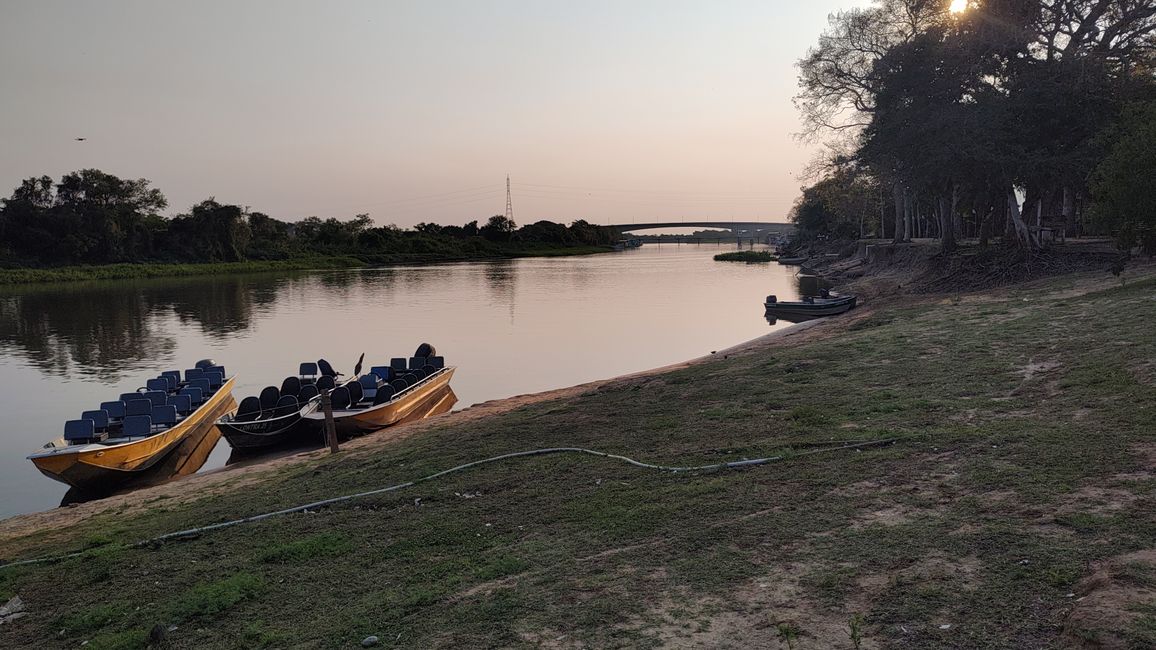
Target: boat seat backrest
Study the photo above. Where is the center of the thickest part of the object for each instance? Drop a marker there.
(308, 392)
(325, 382)
(137, 407)
(411, 379)
(216, 379)
(249, 410)
(368, 382)
(164, 415)
(291, 386)
(128, 397)
(419, 373)
(203, 384)
(286, 405)
(437, 362)
(194, 373)
(158, 384)
(339, 398)
(137, 425)
(429, 369)
(356, 392)
(157, 397)
(99, 418)
(325, 368)
(195, 394)
(399, 384)
(115, 410)
(183, 403)
(79, 429)
(269, 397)
(398, 364)
(220, 369)
(384, 394)
(384, 373)
(308, 371)
(173, 377)
(416, 362)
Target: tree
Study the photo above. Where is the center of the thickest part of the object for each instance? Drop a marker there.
(1122, 187)
(498, 228)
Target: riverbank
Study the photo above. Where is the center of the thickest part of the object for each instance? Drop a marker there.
(1012, 512)
(159, 269)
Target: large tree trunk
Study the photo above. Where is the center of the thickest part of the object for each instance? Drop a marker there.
(908, 215)
(946, 227)
(1022, 234)
(897, 190)
(1069, 210)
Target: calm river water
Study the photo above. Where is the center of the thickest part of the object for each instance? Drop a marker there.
(511, 327)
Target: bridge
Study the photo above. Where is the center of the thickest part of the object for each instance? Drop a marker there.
(727, 225)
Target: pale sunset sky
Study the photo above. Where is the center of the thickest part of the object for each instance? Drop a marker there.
(610, 111)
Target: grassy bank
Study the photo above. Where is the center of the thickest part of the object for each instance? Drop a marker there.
(158, 269)
(1014, 512)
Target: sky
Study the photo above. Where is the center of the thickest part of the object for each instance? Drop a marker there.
(609, 111)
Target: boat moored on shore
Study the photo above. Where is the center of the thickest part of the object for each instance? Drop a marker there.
(808, 307)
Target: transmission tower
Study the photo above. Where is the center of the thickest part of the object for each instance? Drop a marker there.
(509, 201)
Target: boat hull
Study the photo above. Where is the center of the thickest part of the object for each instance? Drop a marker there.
(178, 451)
(810, 310)
(427, 398)
(269, 433)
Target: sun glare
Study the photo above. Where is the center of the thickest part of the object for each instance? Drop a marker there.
(958, 6)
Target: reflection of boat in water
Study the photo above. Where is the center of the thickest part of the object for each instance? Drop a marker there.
(159, 432)
(404, 391)
(276, 416)
(808, 307)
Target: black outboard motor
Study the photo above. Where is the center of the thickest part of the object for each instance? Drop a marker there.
(205, 363)
(425, 350)
(326, 369)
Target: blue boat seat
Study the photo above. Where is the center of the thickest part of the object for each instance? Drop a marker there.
(339, 398)
(216, 379)
(164, 416)
(384, 373)
(79, 430)
(416, 362)
(195, 394)
(203, 384)
(398, 365)
(269, 397)
(194, 373)
(368, 382)
(137, 407)
(220, 369)
(291, 386)
(160, 383)
(128, 397)
(99, 419)
(325, 382)
(286, 405)
(173, 377)
(399, 384)
(249, 410)
(384, 394)
(308, 392)
(183, 403)
(437, 362)
(356, 392)
(307, 372)
(157, 397)
(115, 410)
(136, 426)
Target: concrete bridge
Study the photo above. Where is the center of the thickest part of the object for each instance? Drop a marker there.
(727, 225)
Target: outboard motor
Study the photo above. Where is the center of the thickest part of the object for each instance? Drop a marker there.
(772, 299)
(425, 350)
(205, 363)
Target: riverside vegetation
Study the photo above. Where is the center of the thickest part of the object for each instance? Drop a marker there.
(1013, 511)
(93, 225)
(752, 257)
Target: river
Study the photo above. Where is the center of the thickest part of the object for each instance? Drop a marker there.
(510, 327)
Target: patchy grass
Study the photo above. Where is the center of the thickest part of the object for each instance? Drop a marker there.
(1006, 490)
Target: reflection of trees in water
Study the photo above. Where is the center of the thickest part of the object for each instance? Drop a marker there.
(109, 328)
(501, 278)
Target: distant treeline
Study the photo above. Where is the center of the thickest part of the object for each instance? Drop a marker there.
(91, 218)
(995, 119)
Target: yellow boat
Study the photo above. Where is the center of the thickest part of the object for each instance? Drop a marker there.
(97, 461)
(427, 397)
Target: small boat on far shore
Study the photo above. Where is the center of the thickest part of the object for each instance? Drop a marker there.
(808, 307)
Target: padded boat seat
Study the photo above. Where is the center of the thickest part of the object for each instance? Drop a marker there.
(308, 372)
(204, 385)
(157, 397)
(356, 392)
(325, 382)
(399, 384)
(437, 362)
(137, 407)
(216, 379)
(173, 377)
(220, 369)
(384, 373)
(398, 365)
(194, 373)
(128, 397)
(368, 382)
(115, 410)
(339, 398)
(136, 426)
(183, 404)
(420, 374)
(158, 384)
(291, 386)
(416, 362)
(195, 394)
(249, 410)
(269, 397)
(384, 394)
(164, 416)
(308, 392)
(99, 419)
(286, 405)
(79, 430)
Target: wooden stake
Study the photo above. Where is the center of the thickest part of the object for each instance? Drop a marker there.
(330, 427)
